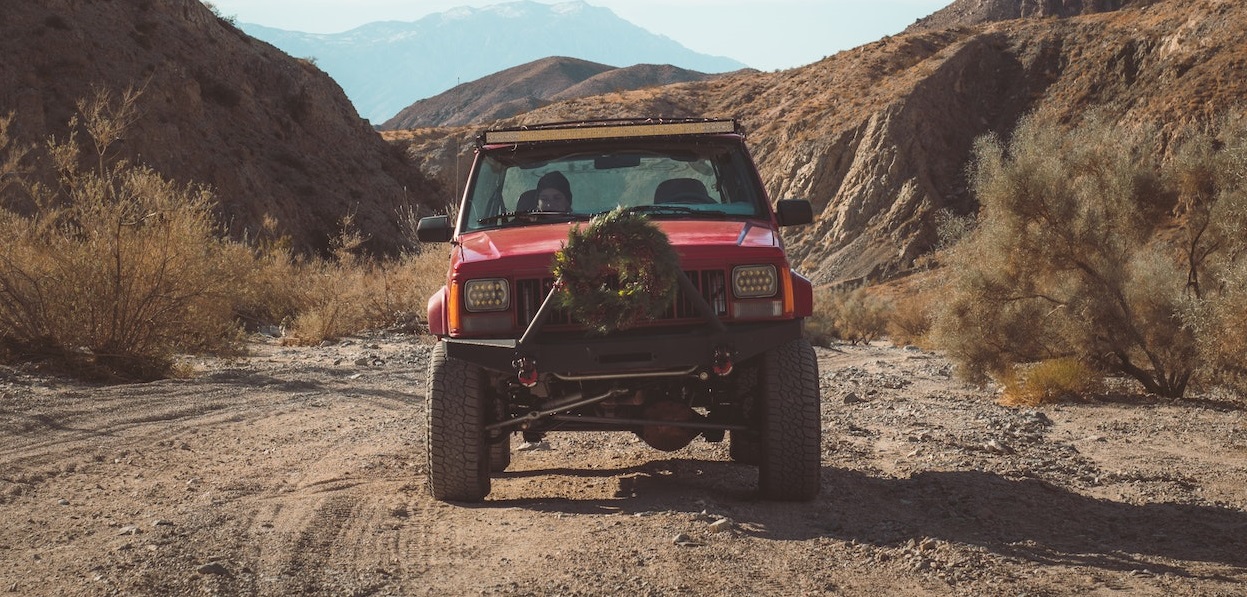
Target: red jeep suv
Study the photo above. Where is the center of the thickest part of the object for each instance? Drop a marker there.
(725, 357)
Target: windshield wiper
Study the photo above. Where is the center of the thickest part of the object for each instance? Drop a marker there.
(659, 209)
(532, 216)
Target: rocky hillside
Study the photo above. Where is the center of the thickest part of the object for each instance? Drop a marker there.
(975, 12)
(879, 137)
(273, 135)
(530, 86)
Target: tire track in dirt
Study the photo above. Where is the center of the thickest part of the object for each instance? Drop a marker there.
(300, 476)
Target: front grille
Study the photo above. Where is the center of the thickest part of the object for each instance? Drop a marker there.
(528, 296)
(711, 284)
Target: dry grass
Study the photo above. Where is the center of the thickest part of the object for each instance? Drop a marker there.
(1046, 382)
(354, 294)
(109, 267)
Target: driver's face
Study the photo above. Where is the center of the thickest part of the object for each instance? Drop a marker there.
(553, 200)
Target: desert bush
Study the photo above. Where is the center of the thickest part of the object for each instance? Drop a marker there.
(1088, 248)
(852, 316)
(820, 327)
(1220, 326)
(109, 265)
(1053, 380)
(352, 292)
(1210, 171)
(910, 318)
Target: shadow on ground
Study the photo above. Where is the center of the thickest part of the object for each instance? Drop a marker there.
(1023, 518)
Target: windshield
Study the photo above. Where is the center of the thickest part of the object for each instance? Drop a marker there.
(665, 180)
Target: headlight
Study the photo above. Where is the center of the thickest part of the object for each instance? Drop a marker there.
(754, 281)
(486, 295)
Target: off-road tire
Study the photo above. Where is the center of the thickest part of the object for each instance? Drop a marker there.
(458, 452)
(742, 445)
(790, 460)
(500, 455)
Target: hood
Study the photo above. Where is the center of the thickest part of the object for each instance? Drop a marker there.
(542, 241)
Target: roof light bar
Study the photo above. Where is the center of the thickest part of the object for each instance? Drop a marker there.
(708, 127)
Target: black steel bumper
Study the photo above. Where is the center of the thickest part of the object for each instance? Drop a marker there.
(636, 354)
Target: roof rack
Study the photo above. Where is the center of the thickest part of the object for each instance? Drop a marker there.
(609, 129)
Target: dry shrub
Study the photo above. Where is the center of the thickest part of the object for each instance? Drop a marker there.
(853, 316)
(820, 327)
(351, 293)
(1047, 382)
(108, 266)
(1220, 324)
(1088, 245)
(910, 319)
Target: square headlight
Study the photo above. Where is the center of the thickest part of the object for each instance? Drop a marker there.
(754, 281)
(491, 294)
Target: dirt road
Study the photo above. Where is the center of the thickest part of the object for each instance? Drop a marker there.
(300, 471)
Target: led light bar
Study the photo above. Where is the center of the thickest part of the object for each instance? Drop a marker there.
(617, 131)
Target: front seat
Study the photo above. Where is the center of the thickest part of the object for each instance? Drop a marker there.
(682, 190)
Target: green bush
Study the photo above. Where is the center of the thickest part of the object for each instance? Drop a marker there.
(1088, 247)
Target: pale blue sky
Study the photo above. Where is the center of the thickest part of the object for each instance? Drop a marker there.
(764, 34)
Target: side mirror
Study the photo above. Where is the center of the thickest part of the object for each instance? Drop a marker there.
(794, 212)
(434, 229)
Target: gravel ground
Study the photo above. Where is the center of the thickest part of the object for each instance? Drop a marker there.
(301, 471)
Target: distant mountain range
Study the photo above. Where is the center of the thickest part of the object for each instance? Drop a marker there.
(386, 66)
(529, 86)
(879, 138)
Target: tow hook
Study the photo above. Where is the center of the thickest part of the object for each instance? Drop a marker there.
(722, 361)
(526, 371)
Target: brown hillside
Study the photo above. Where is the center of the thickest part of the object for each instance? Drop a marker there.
(529, 86)
(975, 12)
(879, 137)
(272, 134)
(639, 76)
(501, 95)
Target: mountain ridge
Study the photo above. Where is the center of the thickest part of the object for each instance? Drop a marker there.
(529, 86)
(385, 66)
(879, 137)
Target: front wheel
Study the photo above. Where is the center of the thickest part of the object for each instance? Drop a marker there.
(457, 441)
(790, 461)
(500, 454)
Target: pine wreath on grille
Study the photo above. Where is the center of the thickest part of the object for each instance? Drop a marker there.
(618, 271)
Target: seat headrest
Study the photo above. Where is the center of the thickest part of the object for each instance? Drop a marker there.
(681, 190)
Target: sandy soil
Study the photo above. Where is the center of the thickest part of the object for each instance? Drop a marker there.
(301, 471)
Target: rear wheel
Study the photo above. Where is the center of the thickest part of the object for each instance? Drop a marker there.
(458, 455)
(790, 461)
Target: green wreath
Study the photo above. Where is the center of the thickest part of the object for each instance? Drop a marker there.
(616, 272)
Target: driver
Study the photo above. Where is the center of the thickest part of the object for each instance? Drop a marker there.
(554, 193)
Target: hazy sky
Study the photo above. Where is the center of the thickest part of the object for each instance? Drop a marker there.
(764, 34)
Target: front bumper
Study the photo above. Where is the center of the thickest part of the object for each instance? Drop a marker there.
(651, 353)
